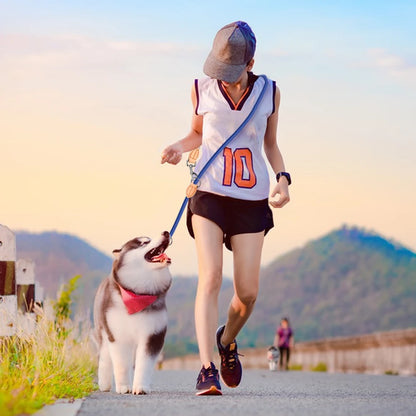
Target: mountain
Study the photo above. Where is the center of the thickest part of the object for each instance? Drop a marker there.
(58, 257)
(348, 282)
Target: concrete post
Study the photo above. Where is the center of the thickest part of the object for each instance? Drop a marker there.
(25, 288)
(25, 283)
(8, 298)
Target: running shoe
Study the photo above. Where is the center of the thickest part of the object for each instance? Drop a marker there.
(231, 370)
(208, 382)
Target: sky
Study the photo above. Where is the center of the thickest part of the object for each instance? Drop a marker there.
(91, 92)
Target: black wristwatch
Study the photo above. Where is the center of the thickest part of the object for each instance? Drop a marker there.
(286, 175)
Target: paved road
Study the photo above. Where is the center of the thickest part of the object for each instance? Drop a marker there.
(265, 393)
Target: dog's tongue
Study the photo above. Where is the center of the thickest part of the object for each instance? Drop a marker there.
(161, 258)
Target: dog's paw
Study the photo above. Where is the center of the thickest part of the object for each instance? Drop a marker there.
(123, 389)
(140, 390)
(104, 387)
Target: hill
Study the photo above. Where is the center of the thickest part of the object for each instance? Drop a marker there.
(58, 257)
(348, 282)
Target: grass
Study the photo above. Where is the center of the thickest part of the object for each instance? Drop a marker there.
(55, 361)
(320, 367)
(295, 367)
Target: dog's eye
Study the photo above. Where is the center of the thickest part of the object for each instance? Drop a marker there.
(143, 241)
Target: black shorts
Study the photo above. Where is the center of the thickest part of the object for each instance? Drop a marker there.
(233, 216)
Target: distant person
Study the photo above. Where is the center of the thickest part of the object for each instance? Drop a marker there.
(284, 341)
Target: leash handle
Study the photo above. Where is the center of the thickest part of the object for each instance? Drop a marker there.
(194, 183)
(193, 157)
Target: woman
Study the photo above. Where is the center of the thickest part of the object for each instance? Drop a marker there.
(284, 341)
(231, 205)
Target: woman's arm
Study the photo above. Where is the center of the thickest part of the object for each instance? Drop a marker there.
(173, 153)
(275, 158)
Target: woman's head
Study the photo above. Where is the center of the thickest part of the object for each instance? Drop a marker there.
(284, 322)
(232, 51)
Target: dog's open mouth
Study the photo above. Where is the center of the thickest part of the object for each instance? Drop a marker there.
(157, 254)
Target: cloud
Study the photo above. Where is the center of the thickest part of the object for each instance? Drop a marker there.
(394, 65)
(151, 48)
(22, 51)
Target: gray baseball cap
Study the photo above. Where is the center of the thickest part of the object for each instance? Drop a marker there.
(233, 48)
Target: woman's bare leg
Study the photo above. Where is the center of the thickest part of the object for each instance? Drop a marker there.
(209, 245)
(247, 250)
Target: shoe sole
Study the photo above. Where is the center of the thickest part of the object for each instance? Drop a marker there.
(212, 391)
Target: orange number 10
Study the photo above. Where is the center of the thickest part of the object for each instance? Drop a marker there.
(242, 162)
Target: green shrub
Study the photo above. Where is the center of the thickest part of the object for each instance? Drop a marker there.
(391, 373)
(62, 306)
(320, 367)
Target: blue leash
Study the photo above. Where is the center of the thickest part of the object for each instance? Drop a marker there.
(197, 178)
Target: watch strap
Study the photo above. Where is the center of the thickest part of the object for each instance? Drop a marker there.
(286, 175)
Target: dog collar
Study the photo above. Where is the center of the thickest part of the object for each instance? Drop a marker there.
(135, 303)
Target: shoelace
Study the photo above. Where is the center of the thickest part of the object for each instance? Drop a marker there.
(230, 358)
(207, 373)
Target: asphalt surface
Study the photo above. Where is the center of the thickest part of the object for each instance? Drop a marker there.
(262, 392)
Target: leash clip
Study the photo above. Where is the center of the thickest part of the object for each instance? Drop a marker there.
(191, 169)
(191, 162)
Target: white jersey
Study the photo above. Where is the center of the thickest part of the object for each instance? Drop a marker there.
(240, 171)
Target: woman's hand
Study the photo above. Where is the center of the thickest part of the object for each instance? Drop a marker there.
(281, 189)
(172, 154)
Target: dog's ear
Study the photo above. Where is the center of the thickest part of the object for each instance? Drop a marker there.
(116, 253)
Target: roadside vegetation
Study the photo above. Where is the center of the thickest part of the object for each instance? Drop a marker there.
(55, 361)
(320, 367)
(295, 367)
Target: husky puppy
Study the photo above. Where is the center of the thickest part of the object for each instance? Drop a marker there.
(273, 357)
(130, 316)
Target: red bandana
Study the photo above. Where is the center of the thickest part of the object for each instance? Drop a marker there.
(136, 303)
